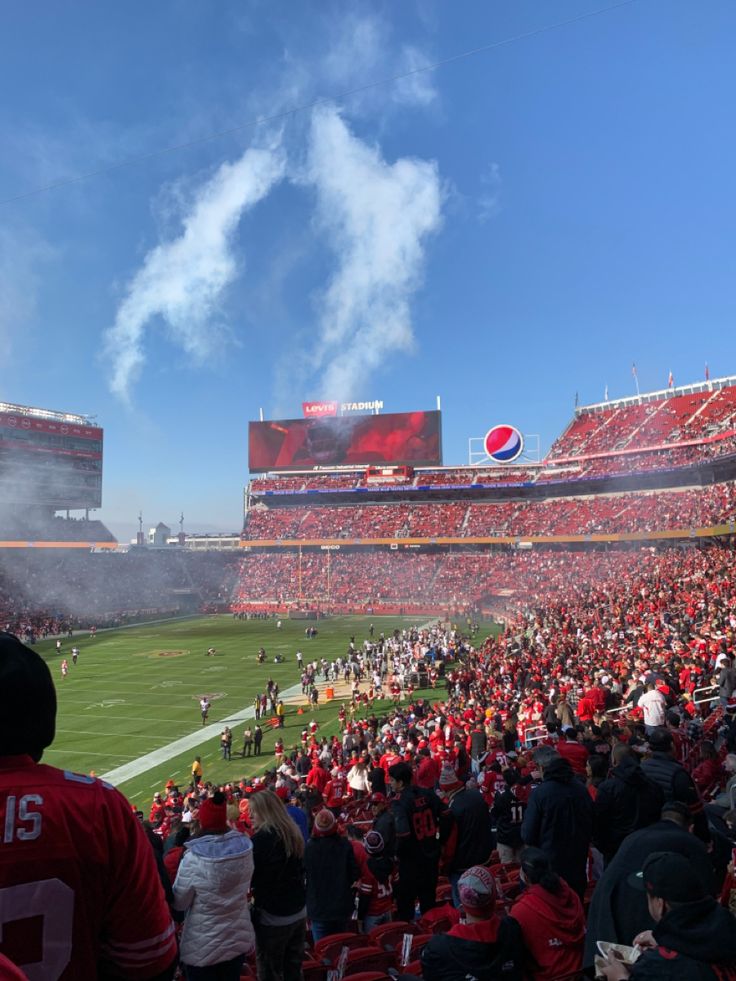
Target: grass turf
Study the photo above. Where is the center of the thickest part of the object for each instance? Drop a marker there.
(136, 690)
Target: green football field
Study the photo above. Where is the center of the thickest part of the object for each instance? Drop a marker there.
(136, 691)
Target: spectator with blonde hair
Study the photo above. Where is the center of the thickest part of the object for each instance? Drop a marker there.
(279, 900)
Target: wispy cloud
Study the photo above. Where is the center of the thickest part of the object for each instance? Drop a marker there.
(22, 256)
(361, 50)
(181, 282)
(377, 217)
(489, 199)
(417, 89)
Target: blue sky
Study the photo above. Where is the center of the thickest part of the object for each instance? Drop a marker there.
(505, 231)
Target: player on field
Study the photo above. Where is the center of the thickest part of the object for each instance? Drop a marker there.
(204, 708)
(64, 668)
(75, 654)
(80, 896)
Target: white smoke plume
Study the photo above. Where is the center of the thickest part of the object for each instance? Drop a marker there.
(182, 280)
(377, 217)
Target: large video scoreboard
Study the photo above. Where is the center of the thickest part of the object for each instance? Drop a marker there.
(49, 458)
(412, 438)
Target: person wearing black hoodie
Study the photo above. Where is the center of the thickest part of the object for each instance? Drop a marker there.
(693, 939)
(625, 802)
(486, 946)
(551, 918)
(559, 819)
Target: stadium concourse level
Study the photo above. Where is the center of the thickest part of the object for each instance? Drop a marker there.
(620, 513)
(567, 783)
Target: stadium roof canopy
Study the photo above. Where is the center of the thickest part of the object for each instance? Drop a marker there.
(35, 413)
(665, 393)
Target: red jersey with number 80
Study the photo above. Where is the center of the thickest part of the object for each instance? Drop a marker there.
(78, 879)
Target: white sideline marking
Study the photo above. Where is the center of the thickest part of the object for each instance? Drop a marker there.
(136, 767)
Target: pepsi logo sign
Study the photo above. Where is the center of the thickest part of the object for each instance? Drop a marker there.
(503, 444)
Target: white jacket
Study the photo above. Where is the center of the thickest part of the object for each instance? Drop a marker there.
(212, 886)
(358, 778)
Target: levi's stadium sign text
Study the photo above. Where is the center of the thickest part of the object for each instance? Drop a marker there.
(312, 410)
(392, 439)
(373, 406)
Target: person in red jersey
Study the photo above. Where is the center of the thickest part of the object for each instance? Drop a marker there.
(574, 752)
(80, 895)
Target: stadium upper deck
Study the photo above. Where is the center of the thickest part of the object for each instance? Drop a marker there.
(673, 430)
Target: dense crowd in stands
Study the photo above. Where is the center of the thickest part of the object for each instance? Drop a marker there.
(617, 513)
(590, 741)
(672, 419)
(567, 785)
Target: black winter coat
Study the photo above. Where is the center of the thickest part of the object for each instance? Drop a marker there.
(331, 871)
(625, 802)
(559, 820)
(469, 814)
(677, 784)
(278, 881)
(617, 911)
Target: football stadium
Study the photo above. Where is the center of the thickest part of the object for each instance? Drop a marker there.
(381, 610)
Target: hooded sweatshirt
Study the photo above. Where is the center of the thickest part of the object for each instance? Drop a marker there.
(490, 950)
(212, 886)
(553, 930)
(696, 942)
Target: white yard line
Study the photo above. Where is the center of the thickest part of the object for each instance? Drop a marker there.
(135, 768)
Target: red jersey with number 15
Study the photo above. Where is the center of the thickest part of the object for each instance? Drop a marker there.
(78, 880)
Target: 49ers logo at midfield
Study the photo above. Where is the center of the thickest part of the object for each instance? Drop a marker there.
(503, 444)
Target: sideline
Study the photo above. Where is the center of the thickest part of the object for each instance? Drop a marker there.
(135, 768)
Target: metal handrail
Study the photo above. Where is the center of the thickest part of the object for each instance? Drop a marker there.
(704, 701)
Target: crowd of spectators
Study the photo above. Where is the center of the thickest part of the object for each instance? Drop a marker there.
(565, 786)
(669, 433)
(671, 419)
(595, 730)
(362, 580)
(659, 510)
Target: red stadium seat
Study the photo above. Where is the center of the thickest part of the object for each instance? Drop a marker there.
(369, 959)
(389, 934)
(329, 948)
